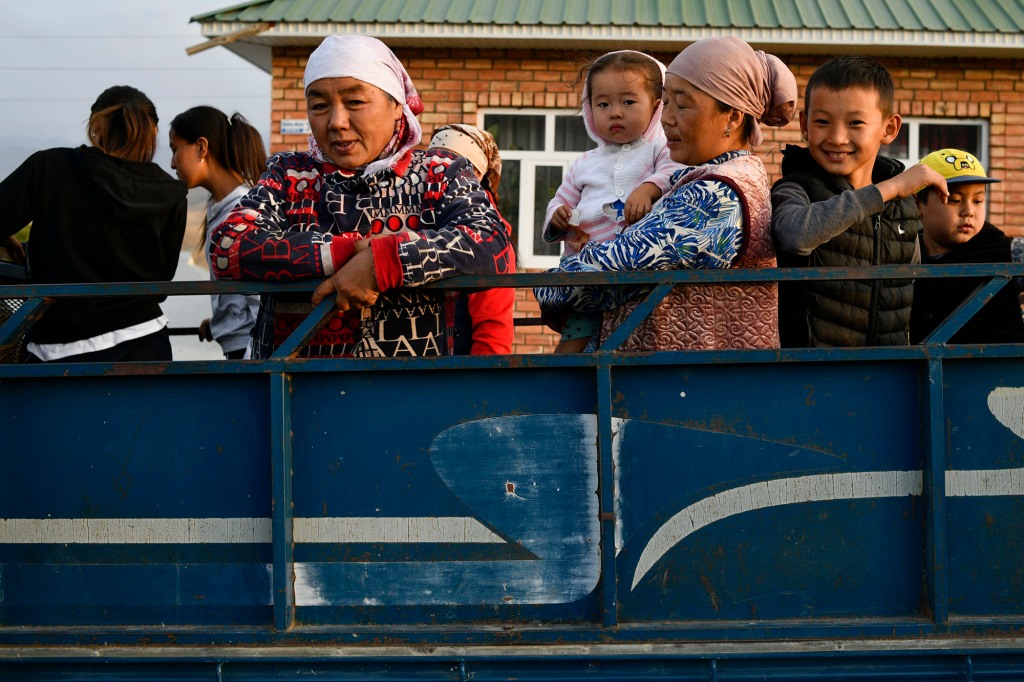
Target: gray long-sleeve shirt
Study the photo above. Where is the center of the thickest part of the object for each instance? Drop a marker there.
(800, 225)
(233, 314)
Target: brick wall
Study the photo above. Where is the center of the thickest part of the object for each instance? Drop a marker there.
(456, 83)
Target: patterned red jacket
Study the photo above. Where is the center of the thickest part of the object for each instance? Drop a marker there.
(430, 219)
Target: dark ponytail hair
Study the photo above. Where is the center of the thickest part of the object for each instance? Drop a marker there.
(234, 142)
(123, 123)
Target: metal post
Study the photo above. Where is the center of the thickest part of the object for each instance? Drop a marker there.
(606, 492)
(281, 488)
(936, 548)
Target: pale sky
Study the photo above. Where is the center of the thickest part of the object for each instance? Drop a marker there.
(56, 56)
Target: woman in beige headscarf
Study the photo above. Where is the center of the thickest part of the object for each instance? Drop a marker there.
(716, 215)
(476, 145)
(483, 319)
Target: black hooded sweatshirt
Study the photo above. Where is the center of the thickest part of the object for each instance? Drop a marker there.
(999, 321)
(95, 218)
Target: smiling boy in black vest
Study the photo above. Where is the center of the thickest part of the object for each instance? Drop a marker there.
(839, 203)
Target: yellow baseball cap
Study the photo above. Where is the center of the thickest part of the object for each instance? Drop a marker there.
(958, 167)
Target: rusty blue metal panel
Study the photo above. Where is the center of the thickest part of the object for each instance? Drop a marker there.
(801, 513)
(749, 493)
(120, 483)
(514, 531)
(984, 424)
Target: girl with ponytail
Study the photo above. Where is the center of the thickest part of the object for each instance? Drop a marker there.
(225, 156)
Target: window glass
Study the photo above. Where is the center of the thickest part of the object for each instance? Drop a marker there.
(546, 182)
(571, 135)
(508, 194)
(900, 147)
(537, 148)
(515, 132)
(935, 137)
(919, 137)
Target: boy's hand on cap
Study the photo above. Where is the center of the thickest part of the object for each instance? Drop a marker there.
(911, 181)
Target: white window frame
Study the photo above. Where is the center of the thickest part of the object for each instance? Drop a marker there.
(528, 161)
(913, 136)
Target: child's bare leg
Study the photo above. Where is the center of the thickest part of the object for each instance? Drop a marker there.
(579, 328)
(571, 346)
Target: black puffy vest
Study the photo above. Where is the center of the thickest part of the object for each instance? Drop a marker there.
(850, 313)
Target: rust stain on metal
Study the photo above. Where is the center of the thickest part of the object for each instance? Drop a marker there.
(136, 369)
(517, 361)
(510, 491)
(711, 592)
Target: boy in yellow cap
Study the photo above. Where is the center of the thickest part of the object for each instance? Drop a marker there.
(955, 231)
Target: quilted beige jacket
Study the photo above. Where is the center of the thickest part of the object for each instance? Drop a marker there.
(718, 316)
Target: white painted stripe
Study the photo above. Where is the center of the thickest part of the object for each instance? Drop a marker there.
(618, 424)
(774, 493)
(434, 529)
(982, 482)
(443, 529)
(133, 531)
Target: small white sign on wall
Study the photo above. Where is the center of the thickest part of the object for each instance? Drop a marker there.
(295, 126)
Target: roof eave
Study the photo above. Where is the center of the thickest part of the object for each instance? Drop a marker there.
(256, 49)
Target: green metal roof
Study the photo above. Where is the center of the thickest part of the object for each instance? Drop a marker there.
(999, 16)
(921, 28)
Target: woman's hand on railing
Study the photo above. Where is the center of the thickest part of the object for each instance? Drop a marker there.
(354, 286)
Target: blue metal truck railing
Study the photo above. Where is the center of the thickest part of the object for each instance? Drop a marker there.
(794, 514)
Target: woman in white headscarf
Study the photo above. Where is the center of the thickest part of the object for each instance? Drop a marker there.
(364, 211)
(717, 213)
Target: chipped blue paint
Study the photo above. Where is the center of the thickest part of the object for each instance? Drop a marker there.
(536, 496)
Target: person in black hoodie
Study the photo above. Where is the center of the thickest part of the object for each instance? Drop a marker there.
(955, 231)
(100, 213)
